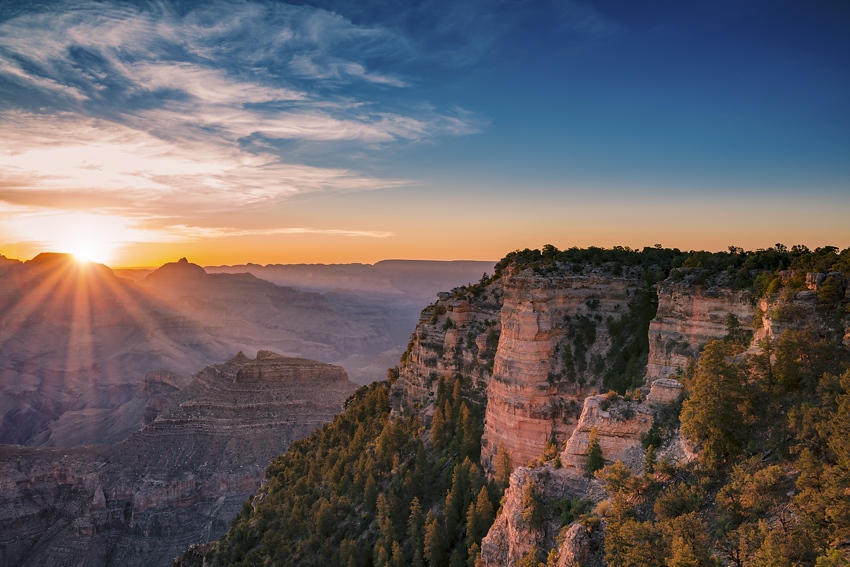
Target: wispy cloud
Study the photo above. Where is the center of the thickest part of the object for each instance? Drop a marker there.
(222, 232)
(164, 115)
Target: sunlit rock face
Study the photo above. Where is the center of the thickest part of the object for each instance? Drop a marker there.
(665, 391)
(688, 316)
(511, 537)
(176, 482)
(619, 425)
(535, 344)
(458, 334)
(552, 353)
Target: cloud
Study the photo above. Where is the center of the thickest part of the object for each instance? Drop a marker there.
(125, 169)
(163, 115)
(197, 232)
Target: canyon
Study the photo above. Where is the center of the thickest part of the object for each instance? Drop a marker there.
(78, 341)
(177, 481)
(553, 353)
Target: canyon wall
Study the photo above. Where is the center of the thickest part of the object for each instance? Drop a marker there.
(458, 334)
(552, 352)
(176, 482)
(534, 344)
(689, 315)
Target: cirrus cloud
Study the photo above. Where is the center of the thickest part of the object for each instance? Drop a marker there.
(165, 115)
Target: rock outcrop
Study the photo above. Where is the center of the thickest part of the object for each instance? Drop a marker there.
(619, 424)
(459, 334)
(689, 315)
(665, 391)
(511, 537)
(552, 352)
(176, 482)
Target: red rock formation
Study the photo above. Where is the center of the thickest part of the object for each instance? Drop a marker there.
(619, 425)
(530, 397)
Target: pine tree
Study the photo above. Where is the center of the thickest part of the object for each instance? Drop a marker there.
(532, 507)
(474, 554)
(711, 416)
(415, 530)
(649, 461)
(484, 509)
(438, 428)
(397, 559)
(434, 545)
(504, 467)
(370, 493)
(595, 461)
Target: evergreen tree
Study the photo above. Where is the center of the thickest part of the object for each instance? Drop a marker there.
(397, 559)
(532, 507)
(649, 461)
(434, 547)
(504, 467)
(595, 461)
(415, 529)
(712, 416)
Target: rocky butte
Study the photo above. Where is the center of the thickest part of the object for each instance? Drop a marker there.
(177, 481)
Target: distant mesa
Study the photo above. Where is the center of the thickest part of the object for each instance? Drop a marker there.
(179, 270)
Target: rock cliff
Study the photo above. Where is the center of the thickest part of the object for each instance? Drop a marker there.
(689, 315)
(619, 425)
(553, 350)
(176, 482)
(458, 334)
(512, 537)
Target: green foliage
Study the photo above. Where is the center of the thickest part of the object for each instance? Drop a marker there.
(627, 357)
(771, 490)
(353, 492)
(532, 506)
(595, 461)
(711, 415)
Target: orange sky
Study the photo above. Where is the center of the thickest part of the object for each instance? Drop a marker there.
(398, 225)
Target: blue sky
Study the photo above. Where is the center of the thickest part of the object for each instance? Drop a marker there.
(355, 131)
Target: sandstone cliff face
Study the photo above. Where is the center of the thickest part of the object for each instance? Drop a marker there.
(536, 343)
(619, 425)
(510, 538)
(458, 334)
(689, 315)
(176, 482)
(552, 352)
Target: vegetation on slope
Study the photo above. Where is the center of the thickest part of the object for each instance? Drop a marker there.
(372, 489)
(772, 485)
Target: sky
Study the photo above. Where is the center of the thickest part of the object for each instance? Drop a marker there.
(137, 133)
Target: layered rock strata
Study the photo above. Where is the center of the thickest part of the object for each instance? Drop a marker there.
(511, 537)
(457, 335)
(176, 482)
(689, 315)
(552, 352)
(619, 425)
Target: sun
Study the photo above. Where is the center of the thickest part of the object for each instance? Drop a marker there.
(86, 252)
